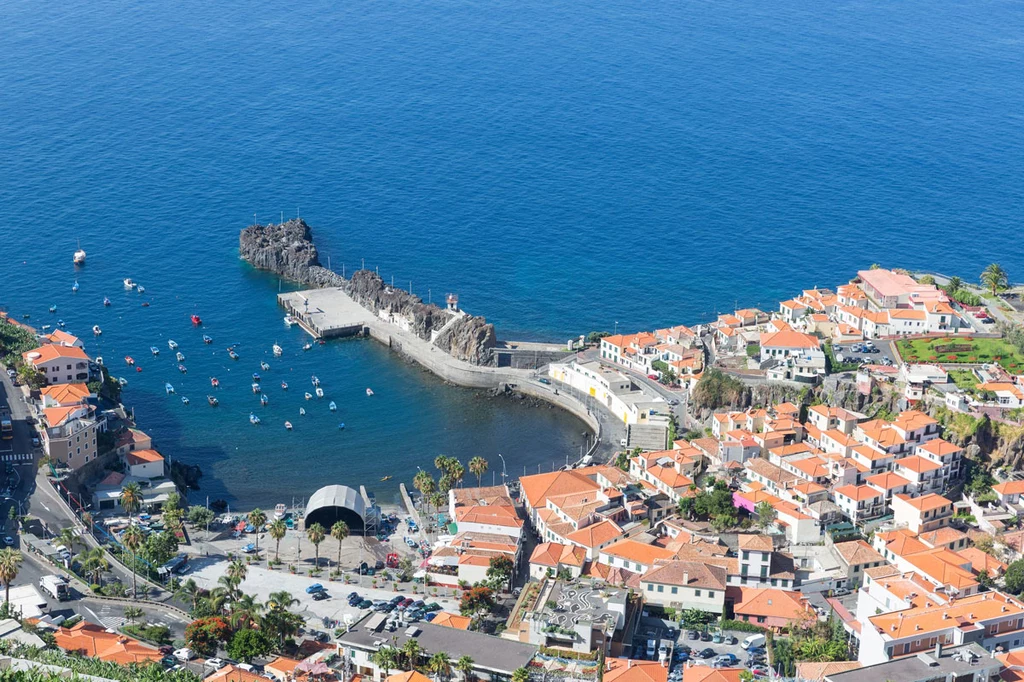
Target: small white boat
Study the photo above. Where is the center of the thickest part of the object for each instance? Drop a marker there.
(314, 380)
(332, 407)
(253, 419)
(288, 425)
(106, 301)
(96, 330)
(264, 400)
(307, 346)
(172, 344)
(122, 381)
(264, 366)
(154, 350)
(179, 356)
(99, 360)
(183, 369)
(184, 400)
(309, 396)
(79, 257)
(369, 391)
(128, 283)
(319, 392)
(284, 385)
(141, 289)
(278, 351)
(280, 510)
(53, 308)
(289, 320)
(207, 338)
(74, 287)
(169, 388)
(256, 388)
(45, 327)
(302, 411)
(232, 354)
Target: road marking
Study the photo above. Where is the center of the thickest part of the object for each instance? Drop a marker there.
(44, 506)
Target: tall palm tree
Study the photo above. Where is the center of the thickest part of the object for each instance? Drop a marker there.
(386, 657)
(440, 665)
(424, 482)
(132, 612)
(465, 666)
(237, 571)
(316, 534)
(478, 467)
(258, 519)
(131, 498)
(954, 285)
(94, 562)
(132, 540)
(9, 560)
(994, 278)
(456, 472)
(189, 592)
(246, 612)
(278, 529)
(412, 650)
(68, 538)
(339, 531)
(219, 597)
(281, 600)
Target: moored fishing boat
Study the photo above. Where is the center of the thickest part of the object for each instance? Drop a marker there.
(369, 391)
(212, 400)
(288, 425)
(128, 283)
(215, 382)
(264, 399)
(307, 346)
(253, 419)
(232, 354)
(264, 365)
(168, 388)
(319, 392)
(129, 360)
(106, 301)
(302, 410)
(172, 344)
(256, 388)
(309, 396)
(96, 330)
(182, 369)
(278, 351)
(74, 287)
(196, 320)
(154, 350)
(284, 385)
(179, 356)
(184, 400)
(79, 257)
(255, 376)
(207, 338)
(341, 426)
(332, 407)
(122, 381)
(141, 289)
(53, 308)
(315, 381)
(289, 320)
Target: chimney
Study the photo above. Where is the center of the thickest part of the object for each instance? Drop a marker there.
(686, 577)
(629, 664)
(938, 649)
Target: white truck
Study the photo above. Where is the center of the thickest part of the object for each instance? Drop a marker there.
(55, 586)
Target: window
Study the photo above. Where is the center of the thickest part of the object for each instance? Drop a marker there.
(696, 593)
(746, 555)
(761, 619)
(650, 587)
(775, 582)
(711, 594)
(675, 590)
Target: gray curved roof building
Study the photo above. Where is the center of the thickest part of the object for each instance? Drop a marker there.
(336, 503)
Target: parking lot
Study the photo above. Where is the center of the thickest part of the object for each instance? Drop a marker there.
(854, 352)
(687, 646)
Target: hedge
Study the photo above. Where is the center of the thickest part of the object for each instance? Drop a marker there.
(742, 626)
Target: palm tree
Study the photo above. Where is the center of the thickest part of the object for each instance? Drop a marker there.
(237, 571)
(386, 657)
(68, 538)
(219, 597)
(278, 529)
(9, 560)
(132, 612)
(440, 665)
(424, 482)
(281, 600)
(131, 498)
(994, 278)
(412, 651)
(456, 472)
(316, 534)
(94, 561)
(258, 519)
(465, 666)
(954, 285)
(520, 675)
(132, 540)
(189, 592)
(478, 466)
(339, 531)
(246, 612)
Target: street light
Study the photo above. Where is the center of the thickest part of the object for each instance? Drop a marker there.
(503, 474)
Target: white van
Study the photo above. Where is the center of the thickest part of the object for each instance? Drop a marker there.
(753, 640)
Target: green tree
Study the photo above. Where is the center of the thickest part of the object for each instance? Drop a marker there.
(10, 560)
(246, 612)
(258, 519)
(386, 658)
(189, 592)
(926, 279)
(766, 514)
(94, 563)
(411, 650)
(247, 644)
(132, 613)
(984, 579)
(954, 285)
(521, 675)
(316, 534)
(440, 665)
(476, 600)
(173, 501)
(478, 467)
(994, 278)
(278, 529)
(199, 516)
(500, 569)
(465, 667)
(339, 531)
(131, 498)
(132, 540)
(204, 635)
(1014, 578)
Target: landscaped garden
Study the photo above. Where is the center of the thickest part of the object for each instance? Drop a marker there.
(962, 350)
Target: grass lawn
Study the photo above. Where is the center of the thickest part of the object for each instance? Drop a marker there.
(964, 378)
(980, 351)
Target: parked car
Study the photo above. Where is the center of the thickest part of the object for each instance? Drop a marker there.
(365, 604)
(705, 637)
(726, 659)
(544, 381)
(184, 654)
(320, 596)
(315, 587)
(693, 634)
(215, 663)
(760, 671)
(168, 662)
(9, 541)
(429, 616)
(706, 653)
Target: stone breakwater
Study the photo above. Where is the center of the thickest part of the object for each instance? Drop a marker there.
(287, 249)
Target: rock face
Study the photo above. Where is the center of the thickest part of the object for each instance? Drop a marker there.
(287, 250)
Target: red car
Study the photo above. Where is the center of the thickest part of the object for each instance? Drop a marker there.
(652, 376)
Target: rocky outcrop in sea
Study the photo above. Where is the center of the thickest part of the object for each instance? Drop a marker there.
(287, 250)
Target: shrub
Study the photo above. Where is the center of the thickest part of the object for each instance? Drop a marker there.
(742, 626)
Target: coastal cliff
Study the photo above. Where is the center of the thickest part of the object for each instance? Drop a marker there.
(287, 250)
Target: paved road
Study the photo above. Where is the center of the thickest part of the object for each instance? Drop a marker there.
(680, 411)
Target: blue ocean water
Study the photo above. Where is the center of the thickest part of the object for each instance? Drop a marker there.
(563, 166)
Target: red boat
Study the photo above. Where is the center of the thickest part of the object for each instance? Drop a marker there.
(196, 319)
(138, 369)
(215, 382)
(129, 360)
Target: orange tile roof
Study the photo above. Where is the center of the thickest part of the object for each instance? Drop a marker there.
(539, 487)
(637, 551)
(963, 613)
(94, 641)
(495, 515)
(66, 394)
(925, 502)
(980, 561)
(56, 416)
(902, 542)
(687, 573)
(811, 671)
(857, 552)
(283, 665)
(918, 464)
(858, 492)
(623, 670)
(769, 602)
(1009, 487)
(231, 673)
(756, 543)
(912, 420)
(52, 352)
(789, 339)
(143, 456)
(940, 447)
(943, 567)
(452, 620)
(887, 481)
(595, 534)
(60, 336)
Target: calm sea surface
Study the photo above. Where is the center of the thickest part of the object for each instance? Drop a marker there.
(563, 166)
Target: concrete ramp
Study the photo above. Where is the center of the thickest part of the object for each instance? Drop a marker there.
(647, 437)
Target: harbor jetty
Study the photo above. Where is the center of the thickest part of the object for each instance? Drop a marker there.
(460, 348)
